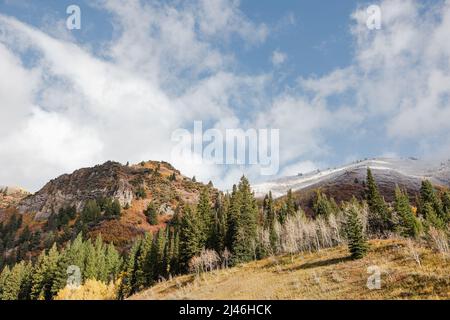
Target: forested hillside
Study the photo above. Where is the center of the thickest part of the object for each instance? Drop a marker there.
(217, 231)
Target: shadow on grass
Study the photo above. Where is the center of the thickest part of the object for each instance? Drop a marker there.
(323, 263)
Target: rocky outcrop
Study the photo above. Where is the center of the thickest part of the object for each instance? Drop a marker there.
(110, 179)
(11, 196)
(158, 181)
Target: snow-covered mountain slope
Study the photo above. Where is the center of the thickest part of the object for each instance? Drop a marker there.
(407, 172)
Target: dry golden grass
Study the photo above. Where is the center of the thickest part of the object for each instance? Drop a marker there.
(408, 271)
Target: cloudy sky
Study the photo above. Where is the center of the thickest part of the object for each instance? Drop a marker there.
(137, 70)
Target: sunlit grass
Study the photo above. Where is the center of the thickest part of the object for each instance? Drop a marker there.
(408, 271)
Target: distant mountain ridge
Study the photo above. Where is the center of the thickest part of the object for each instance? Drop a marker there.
(347, 181)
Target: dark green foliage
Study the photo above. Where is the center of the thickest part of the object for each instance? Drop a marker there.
(379, 219)
(15, 283)
(192, 240)
(322, 206)
(270, 219)
(49, 274)
(428, 195)
(91, 212)
(289, 208)
(205, 218)
(140, 193)
(220, 227)
(431, 207)
(129, 280)
(446, 205)
(431, 217)
(151, 214)
(111, 208)
(245, 236)
(357, 243)
(409, 225)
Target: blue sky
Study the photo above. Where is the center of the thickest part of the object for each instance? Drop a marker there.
(138, 70)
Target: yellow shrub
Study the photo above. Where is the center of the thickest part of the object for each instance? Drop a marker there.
(90, 290)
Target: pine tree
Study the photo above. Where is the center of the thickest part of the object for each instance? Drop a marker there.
(291, 207)
(431, 217)
(44, 274)
(144, 268)
(219, 230)
(128, 283)
(12, 286)
(233, 216)
(100, 251)
(4, 275)
(151, 214)
(379, 218)
(408, 226)
(157, 254)
(191, 238)
(205, 215)
(322, 206)
(245, 238)
(175, 263)
(113, 262)
(91, 212)
(270, 220)
(428, 195)
(446, 205)
(357, 242)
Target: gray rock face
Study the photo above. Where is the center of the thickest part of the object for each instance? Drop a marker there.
(107, 180)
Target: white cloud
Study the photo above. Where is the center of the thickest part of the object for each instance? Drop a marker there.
(75, 109)
(278, 58)
(168, 65)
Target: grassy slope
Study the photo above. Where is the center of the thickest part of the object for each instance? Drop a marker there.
(328, 274)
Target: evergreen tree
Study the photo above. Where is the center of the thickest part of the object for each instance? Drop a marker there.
(205, 216)
(245, 238)
(357, 242)
(291, 207)
(233, 216)
(100, 259)
(431, 217)
(157, 254)
(113, 262)
(12, 286)
(4, 275)
(408, 226)
(44, 275)
(151, 214)
(270, 220)
(91, 212)
(379, 218)
(174, 264)
(219, 230)
(446, 205)
(322, 206)
(428, 196)
(128, 283)
(144, 268)
(191, 237)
